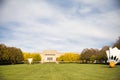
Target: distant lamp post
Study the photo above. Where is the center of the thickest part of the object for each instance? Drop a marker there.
(30, 60)
(113, 55)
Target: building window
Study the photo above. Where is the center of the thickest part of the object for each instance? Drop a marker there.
(49, 58)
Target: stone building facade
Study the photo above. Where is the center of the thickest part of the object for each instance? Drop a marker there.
(50, 55)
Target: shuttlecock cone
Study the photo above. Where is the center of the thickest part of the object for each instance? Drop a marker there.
(113, 55)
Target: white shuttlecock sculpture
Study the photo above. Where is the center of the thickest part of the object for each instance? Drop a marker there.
(30, 60)
(113, 55)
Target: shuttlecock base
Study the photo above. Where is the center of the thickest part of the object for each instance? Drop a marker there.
(112, 64)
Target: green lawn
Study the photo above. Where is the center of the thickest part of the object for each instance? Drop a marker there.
(59, 72)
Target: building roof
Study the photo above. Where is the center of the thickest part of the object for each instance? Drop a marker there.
(50, 52)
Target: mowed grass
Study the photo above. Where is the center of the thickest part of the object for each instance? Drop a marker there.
(59, 72)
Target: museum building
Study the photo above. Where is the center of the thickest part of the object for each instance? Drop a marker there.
(50, 56)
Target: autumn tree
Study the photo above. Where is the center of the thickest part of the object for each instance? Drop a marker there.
(117, 43)
(70, 56)
(35, 56)
(15, 55)
(10, 55)
(89, 55)
(26, 55)
(3, 54)
(101, 56)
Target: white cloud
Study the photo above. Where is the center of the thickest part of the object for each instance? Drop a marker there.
(85, 10)
(36, 26)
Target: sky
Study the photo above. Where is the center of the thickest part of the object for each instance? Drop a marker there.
(62, 25)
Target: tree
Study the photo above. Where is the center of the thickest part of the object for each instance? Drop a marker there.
(10, 55)
(69, 57)
(101, 56)
(26, 55)
(117, 43)
(3, 54)
(88, 55)
(35, 56)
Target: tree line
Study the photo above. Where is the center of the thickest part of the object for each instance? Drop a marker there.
(69, 56)
(10, 55)
(94, 55)
(13, 55)
(36, 56)
(89, 55)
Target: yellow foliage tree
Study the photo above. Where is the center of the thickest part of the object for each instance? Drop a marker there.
(69, 57)
(35, 56)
